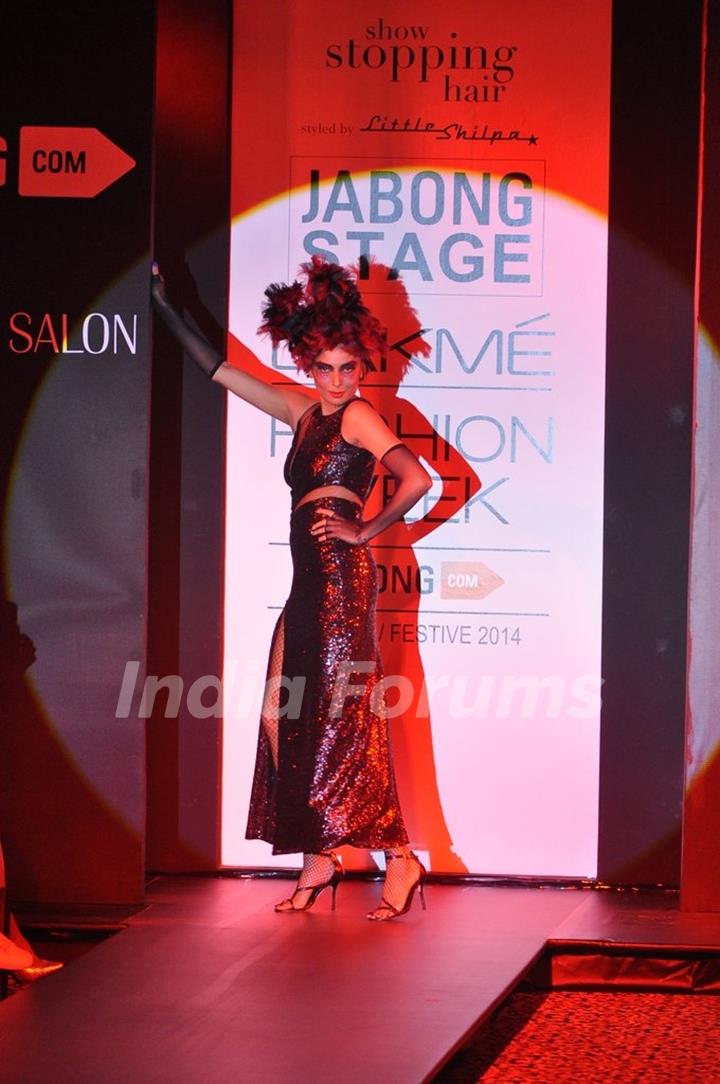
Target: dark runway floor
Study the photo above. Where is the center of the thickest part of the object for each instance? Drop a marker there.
(208, 983)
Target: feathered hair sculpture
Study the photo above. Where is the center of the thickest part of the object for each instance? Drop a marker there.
(324, 312)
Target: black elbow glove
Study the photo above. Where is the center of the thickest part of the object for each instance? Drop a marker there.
(193, 344)
(412, 481)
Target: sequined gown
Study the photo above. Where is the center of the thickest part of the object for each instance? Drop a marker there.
(323, 772)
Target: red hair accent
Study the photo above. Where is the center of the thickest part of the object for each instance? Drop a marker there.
(324, 312)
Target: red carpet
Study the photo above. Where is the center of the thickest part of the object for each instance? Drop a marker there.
(538, 1038)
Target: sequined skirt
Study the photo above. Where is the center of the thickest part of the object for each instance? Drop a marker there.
(323, 772)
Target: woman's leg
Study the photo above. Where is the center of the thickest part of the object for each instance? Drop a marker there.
(404, 872)
(319, 871)
(271, 699)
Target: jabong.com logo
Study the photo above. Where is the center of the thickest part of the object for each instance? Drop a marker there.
(455, 579)
(455, 696)
(468, 579)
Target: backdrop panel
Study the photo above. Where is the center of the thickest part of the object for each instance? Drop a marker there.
(73, 446)
(463, 160)
(191, 231)
(700, 883)
(651, 336)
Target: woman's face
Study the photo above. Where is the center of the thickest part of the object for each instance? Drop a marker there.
(337, 375)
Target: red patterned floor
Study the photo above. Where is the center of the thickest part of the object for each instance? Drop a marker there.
(561, 1037)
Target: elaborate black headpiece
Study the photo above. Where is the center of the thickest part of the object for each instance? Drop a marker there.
(324, 312)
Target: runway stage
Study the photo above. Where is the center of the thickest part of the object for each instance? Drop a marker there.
(208, 983)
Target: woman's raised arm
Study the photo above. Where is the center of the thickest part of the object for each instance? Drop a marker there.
(286, 404)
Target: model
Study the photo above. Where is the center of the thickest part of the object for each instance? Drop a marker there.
(324, 775)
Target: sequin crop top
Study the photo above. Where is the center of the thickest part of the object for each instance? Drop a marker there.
(319, 456)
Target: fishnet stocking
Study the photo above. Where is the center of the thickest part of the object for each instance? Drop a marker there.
(271, 699)
(318, 871)
(403, 871)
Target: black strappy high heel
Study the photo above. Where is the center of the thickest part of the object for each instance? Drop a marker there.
(314, 890)
(389, 908)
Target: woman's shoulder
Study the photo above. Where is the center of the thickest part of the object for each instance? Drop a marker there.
(356, 415)
(364, 405)
(363, 427)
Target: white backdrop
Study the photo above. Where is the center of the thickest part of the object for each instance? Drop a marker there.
(509, 619)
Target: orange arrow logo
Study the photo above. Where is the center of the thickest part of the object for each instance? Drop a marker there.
(70, 162)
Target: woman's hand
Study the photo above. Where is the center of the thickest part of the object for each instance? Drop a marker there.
(157, 284)
(194, 345)
(330, 525)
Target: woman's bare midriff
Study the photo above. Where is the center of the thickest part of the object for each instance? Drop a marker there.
(329, 491)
